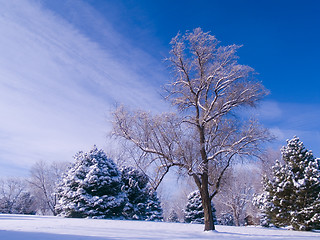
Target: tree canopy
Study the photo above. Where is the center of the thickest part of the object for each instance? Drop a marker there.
(202, 136)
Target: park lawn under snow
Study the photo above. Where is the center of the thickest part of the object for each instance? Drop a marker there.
(25, 227)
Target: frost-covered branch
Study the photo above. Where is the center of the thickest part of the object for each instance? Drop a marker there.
(201, 138)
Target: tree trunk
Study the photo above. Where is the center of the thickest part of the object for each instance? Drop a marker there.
(206, 204)
(204, 189)
(236, 216)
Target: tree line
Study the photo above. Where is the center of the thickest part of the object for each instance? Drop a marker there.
(93, 186)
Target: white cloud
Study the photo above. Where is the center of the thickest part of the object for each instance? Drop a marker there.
(269, 110)
(278, 133)
(57, 85)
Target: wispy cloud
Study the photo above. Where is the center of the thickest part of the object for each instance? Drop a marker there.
(286, 120)
(57, 84)
(62, 71)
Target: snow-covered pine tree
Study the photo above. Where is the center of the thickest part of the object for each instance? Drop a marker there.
(134, 184)
(292, 196)
(154, 210)
(194, 210)
(91, 187)
(141, 204)
(173, 216)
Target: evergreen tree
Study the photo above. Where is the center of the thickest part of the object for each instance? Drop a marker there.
(194, 210)
(142, 203)
(292, 196)
(91, 187)
(153, 210)
(173, 217)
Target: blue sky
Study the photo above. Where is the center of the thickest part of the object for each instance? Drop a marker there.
(65, 64)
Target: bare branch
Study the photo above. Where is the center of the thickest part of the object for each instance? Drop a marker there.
(209, 85)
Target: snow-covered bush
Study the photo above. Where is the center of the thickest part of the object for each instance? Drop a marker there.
(194, 210)
(226, 219)
(142, 203)
(292, 196)
(91, 187)
(26, 204)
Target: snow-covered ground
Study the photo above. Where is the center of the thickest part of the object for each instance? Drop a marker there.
(23, 227)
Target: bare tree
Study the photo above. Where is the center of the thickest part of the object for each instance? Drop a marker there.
(43, 178)
(269, 158)
(203, 134)
(176, 198)
(238, 192)
(15, 197)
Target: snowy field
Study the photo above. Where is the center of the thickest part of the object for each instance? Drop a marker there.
(23, 227)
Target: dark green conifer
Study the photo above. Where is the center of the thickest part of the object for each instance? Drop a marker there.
(292, 196)
(91, 188)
